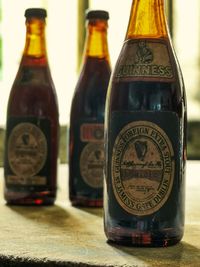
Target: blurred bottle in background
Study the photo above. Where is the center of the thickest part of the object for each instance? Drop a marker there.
(32, 129)
(86, 152)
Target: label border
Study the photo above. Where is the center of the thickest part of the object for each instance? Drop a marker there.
(172, 174)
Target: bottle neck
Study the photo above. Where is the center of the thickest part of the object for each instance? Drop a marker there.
(35, 46)
(96, 45)
(147, 20)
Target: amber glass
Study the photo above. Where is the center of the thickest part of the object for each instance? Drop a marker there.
(145, 136)
(32, 129)
(87, 116)
(147, 20)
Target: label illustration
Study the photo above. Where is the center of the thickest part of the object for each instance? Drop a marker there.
(92, 154)
(146, 59)
(27, 154)
(142, 168)
(91, 164)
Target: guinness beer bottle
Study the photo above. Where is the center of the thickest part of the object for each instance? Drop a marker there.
(145, 135)
(31, 145)
(86, 155)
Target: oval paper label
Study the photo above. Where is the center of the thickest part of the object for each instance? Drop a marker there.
(142, 168)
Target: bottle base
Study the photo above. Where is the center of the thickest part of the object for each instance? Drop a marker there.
(164, 238)
(35, 199)
(86, 202)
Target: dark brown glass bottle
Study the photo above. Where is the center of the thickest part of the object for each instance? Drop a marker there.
(145, 133)
(31, 146)
(86, 155)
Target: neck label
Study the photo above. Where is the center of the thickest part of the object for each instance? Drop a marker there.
(145, 59)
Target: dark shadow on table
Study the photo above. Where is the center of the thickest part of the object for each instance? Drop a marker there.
(180, 255)
(55, 216)
(58, 217)
(43, 214)
(94, 211)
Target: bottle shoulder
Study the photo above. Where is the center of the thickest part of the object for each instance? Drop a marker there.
(35, 75)
(148, 59)
(90, 93)
(33, 92)
(94, 75)
(95, 64)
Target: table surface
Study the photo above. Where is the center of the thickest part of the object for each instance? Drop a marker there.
(62, 235)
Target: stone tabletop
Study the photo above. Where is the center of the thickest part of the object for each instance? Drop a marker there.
(62, 235)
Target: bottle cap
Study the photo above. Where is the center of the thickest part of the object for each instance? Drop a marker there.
(97, 14)
(35, 12)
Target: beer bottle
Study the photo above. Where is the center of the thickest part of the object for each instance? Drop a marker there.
(86, 155)
(145, 135)
(32, 128)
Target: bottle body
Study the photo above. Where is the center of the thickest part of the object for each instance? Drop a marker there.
(87, 135)
(86, 151)
(145, 144)
(32, 128)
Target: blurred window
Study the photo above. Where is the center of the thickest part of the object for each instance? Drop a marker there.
(65, 35)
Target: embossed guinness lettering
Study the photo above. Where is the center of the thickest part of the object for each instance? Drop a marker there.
(146, 59)
(145, 70)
